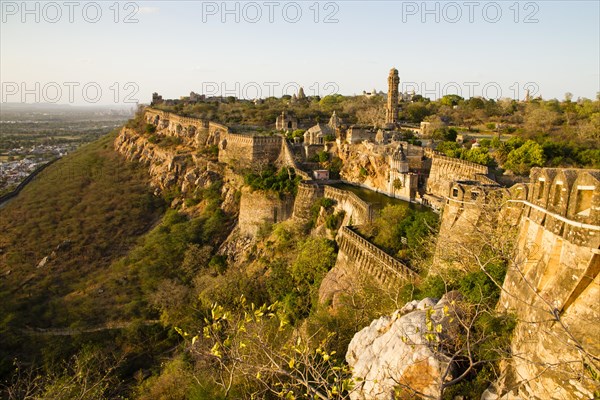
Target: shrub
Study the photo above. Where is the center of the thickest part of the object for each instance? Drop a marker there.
(150, 129)
(282, 182)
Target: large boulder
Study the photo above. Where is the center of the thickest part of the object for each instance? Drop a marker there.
(401, 351)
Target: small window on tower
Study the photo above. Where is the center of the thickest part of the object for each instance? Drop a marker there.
(583, 205)
(474, 195)
(455, 192)
(557, 194)
(540, 192)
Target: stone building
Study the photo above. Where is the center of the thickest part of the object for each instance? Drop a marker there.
(316, 134)
(321, 174)
(357, 134)
(156, 99)
(402, 183)
(391, 114)
(286, 122)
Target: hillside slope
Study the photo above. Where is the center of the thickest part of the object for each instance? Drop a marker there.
(60, 236)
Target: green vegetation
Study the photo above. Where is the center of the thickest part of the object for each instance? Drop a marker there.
(401, 231)
(83, 212)
(201, 318)
(282, 182)
(478, 155)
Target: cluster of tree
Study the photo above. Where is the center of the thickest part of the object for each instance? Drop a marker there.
(284, 181)
(401, 231)
(480, 155)
(520, 155)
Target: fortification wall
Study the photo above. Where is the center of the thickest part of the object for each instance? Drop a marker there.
(286, 157)
(445, 170)
(193, 131)
(258, 208)
(237, 149)
(267, 148)
(554, 284)
(358, 212)
(469, 215)
(363, 257)
(246, 150)
(307, 195)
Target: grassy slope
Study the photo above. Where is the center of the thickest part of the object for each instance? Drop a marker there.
(101, 204)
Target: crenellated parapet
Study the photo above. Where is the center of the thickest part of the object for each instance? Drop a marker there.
(245, 150)
(366, 258)
(567, 203)
(359, 211)
(445, 170)
(287, 158)
(234, 148)
(193, 131)
(554, 282)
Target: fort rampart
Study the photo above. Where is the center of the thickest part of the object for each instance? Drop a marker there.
(366, 258)
(445, 170)
(359, 212)
(554, 282)
(234, 148)
(307, 195)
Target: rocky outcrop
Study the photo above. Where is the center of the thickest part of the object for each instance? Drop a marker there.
(179, 168)
(167, 166)
(398, 352)
(367, 168)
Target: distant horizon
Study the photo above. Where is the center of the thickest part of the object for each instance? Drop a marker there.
(13, 104)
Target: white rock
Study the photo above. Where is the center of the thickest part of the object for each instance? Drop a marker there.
(43, 262)
(392, 350)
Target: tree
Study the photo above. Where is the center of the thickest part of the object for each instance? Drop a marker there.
(259, 353)
(451, 100)
(416, 112)
(90, 374)
(522, 159)
(538, 119)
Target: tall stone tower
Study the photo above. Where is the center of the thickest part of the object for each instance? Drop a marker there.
(391, 114)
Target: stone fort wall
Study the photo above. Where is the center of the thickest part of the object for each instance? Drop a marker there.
(247, 150)
(258, 208)
(237, 149)
(470, 212)
(307, 195)
(358, 211)
(363, 257)
(445, 170)
(554, 282)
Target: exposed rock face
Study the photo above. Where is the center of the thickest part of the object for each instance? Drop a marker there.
(358, 158)
(179, 167)
(166, 166)
(395, 351)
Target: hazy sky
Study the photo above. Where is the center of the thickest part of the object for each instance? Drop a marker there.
(106, 52)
